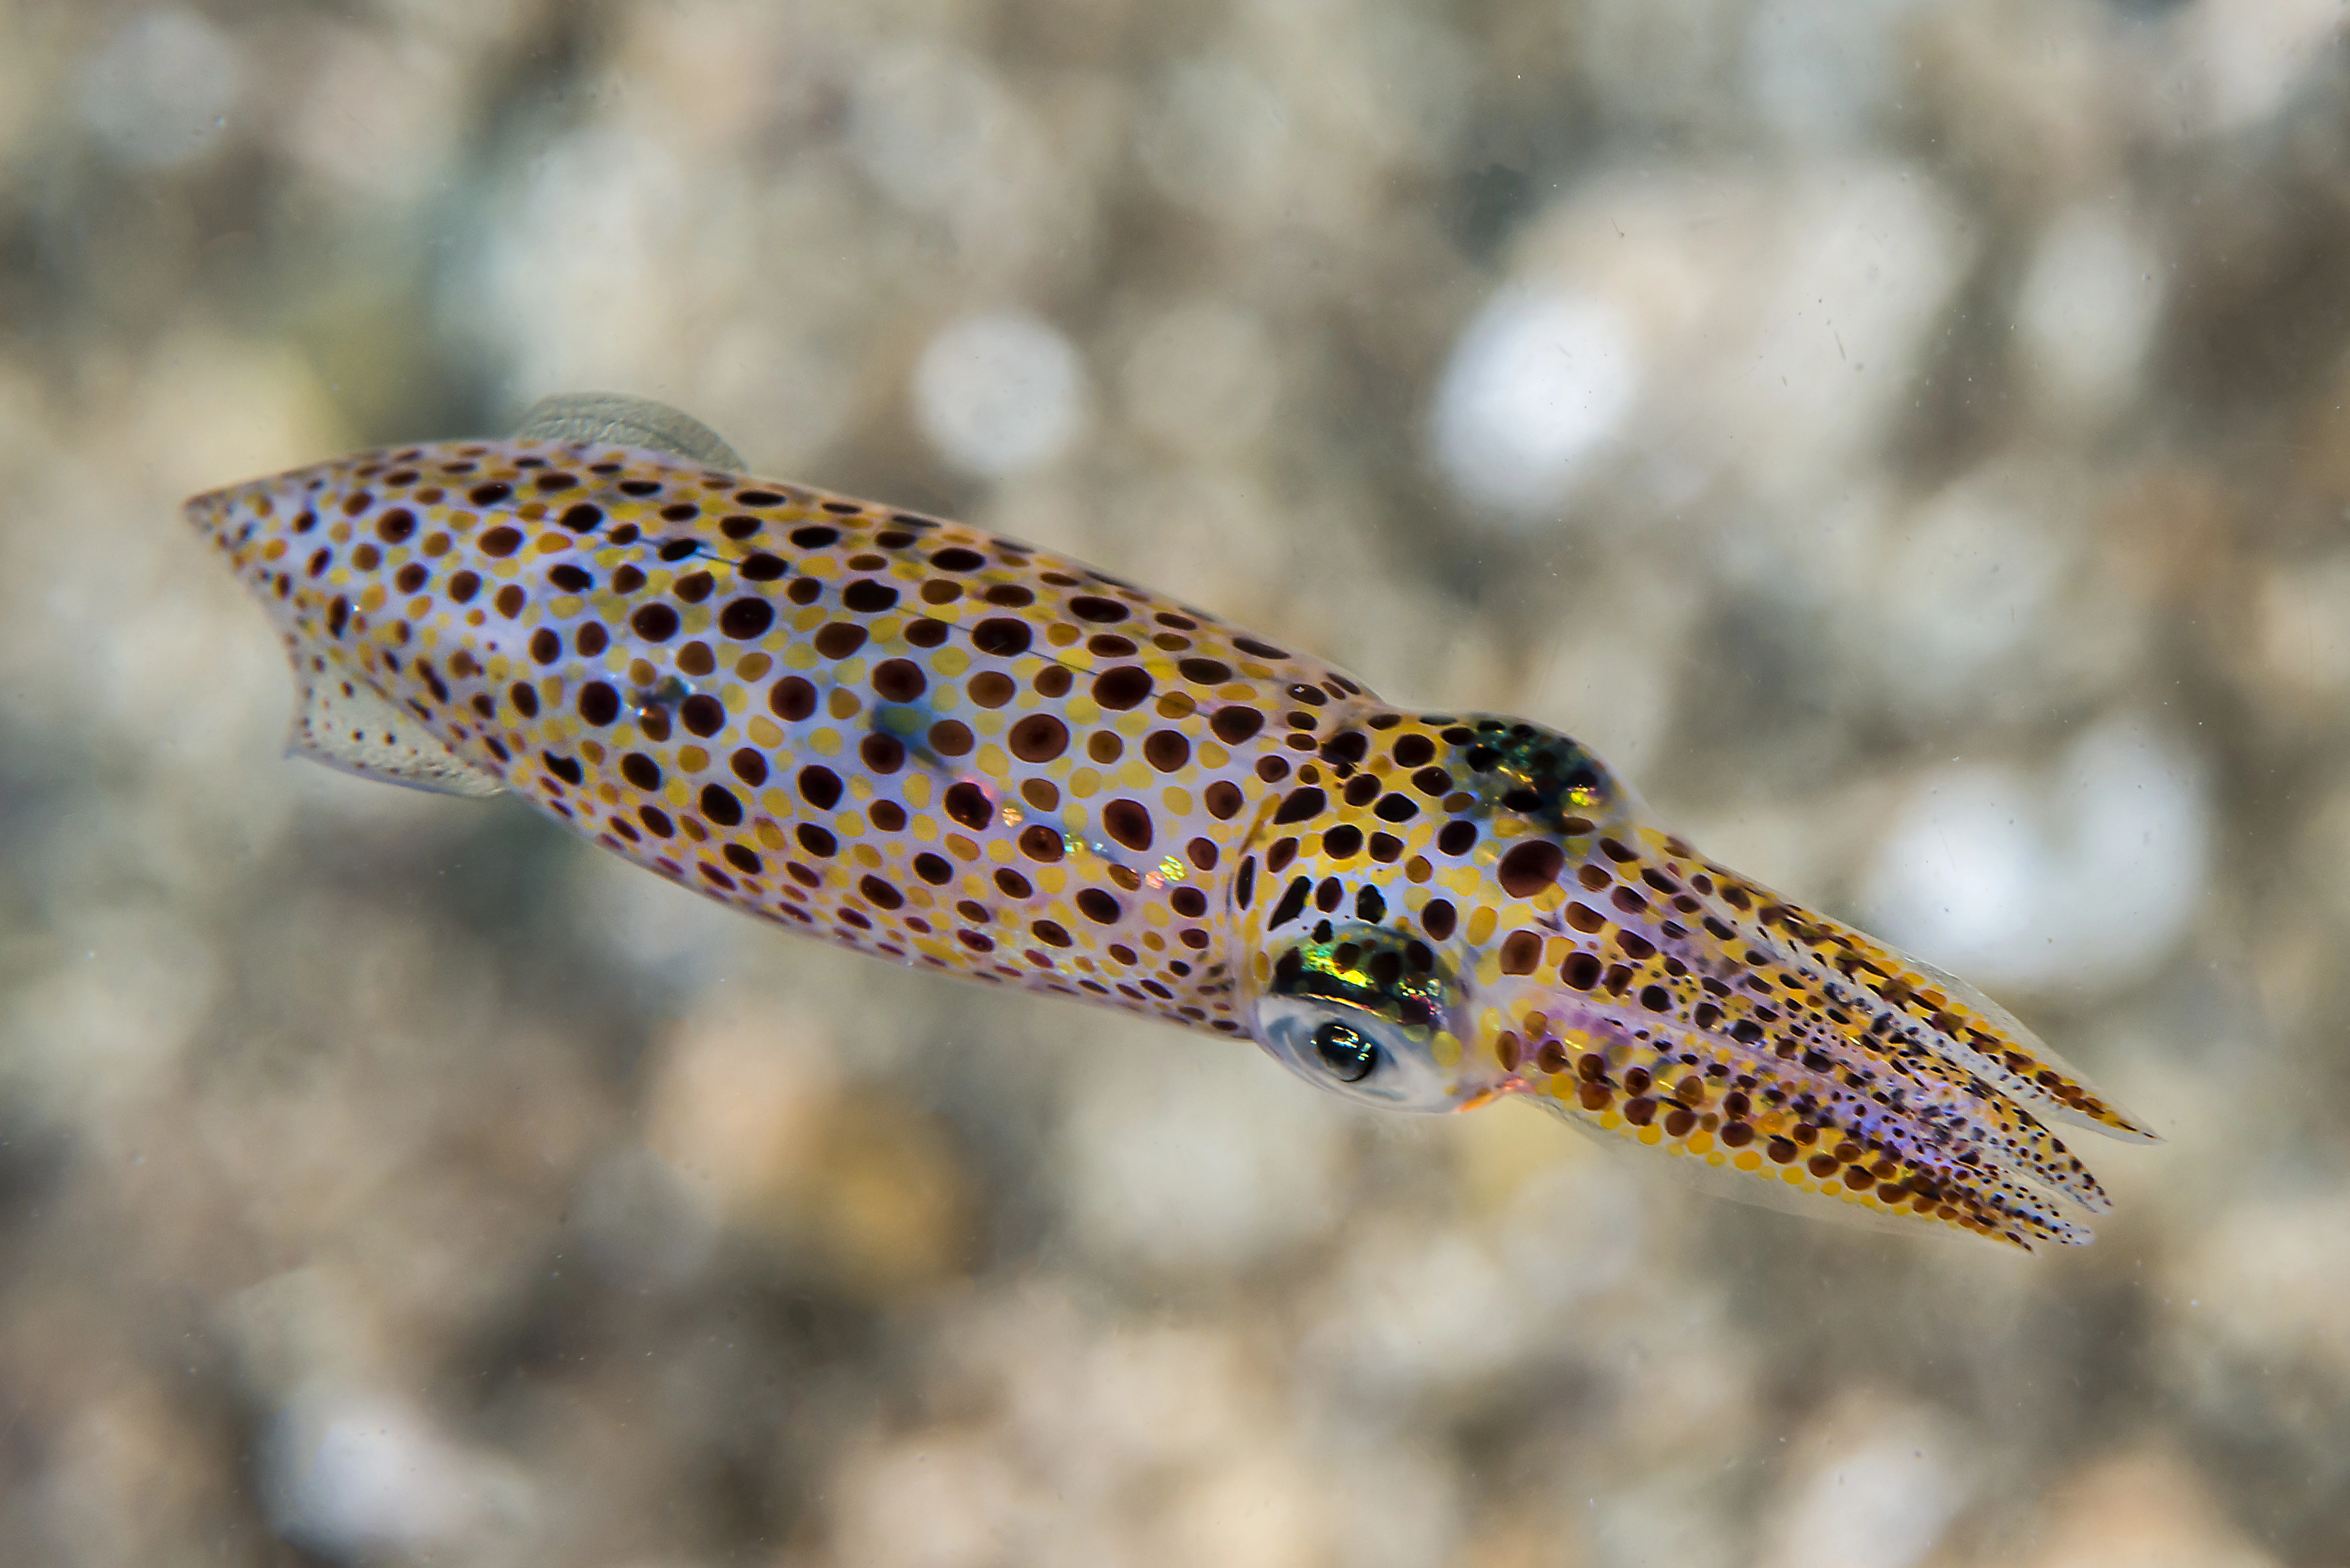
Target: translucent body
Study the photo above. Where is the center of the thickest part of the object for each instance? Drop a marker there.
(952, 750)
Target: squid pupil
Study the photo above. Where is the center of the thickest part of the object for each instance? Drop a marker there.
(1348, 1055)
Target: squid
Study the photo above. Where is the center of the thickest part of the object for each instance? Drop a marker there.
(960, 752)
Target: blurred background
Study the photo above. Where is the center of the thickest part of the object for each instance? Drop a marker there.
(1906, 439)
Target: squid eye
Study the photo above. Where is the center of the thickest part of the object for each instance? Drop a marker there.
(1349, 1051)
(1350, 1057)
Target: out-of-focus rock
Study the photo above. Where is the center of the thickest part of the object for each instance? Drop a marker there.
(2142, 1510)
(848, 1184)
(1203, 376)
(1874, 1485)
(355, 1475)
(159, 93)
(2261, 1284)
(2088, 875)
(2087, 310)
(2245, 59)
(1764, 323)
(1198, 1160)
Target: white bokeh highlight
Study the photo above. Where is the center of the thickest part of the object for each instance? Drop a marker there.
(1536, 385)
(2087, 313)
(1000, 394)
(2241, 61)
(1214, 137)
(1684, 329)
(1966, 589)
(1880, 1496)
(158, 93)
(951, 143)
(691, 303)
(2089, 876)
(1817, 73)
(354, 1474)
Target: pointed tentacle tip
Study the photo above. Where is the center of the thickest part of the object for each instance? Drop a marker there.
(1807, 1064)
(1840, 1185)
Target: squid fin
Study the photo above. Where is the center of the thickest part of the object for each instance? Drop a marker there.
(347, 726)
(615, 419)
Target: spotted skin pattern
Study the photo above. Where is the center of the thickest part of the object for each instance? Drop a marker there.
(954, 751)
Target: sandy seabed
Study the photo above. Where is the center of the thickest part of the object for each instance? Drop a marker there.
(1905, 439)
